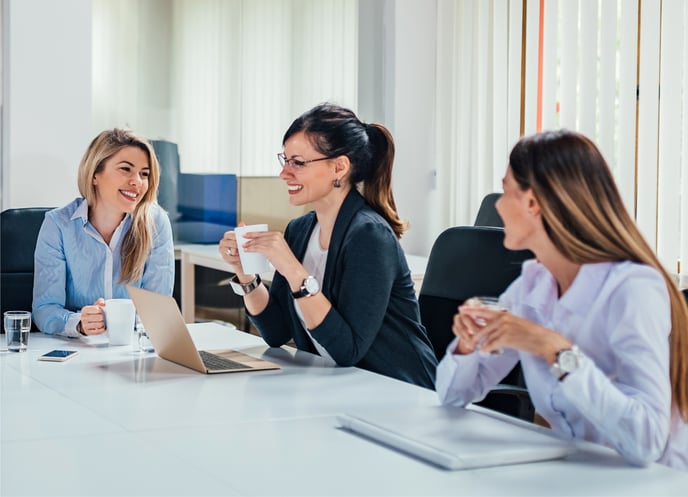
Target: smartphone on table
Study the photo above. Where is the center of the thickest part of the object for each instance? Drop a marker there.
(58, 355)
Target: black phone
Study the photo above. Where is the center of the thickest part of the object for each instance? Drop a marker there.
(58, 355)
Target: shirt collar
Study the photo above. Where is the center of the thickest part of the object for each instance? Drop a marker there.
(578, 299)
(586, 287)
(81, 211)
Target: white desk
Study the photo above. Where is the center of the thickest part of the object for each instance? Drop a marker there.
(209, 256)
(114, 422)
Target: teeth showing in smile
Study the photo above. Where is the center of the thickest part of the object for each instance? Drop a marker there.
(129, 194)
(294, 188)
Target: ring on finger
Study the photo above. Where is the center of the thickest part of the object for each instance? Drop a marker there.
(228, 251)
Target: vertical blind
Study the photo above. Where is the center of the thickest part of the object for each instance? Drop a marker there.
(221, 78)
(616, 71)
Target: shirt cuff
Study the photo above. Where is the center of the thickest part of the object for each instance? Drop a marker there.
(70, 326)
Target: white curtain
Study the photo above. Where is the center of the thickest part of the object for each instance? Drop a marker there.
(221, 78)
(477, 100)
(593, 79)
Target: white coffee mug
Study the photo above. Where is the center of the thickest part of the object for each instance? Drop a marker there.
(251, 262)
(120, 318)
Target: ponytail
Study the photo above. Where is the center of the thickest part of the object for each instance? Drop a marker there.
(377, 186)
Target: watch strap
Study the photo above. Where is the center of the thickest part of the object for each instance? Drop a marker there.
(303, 291)
(242, 289)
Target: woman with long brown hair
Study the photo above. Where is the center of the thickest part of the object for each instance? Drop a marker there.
(600, 327)
(114, 234)
(342, 287)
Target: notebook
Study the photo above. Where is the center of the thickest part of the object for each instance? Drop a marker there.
(456, 438)
(172, 341)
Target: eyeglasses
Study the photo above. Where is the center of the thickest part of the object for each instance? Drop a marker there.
(295, 163)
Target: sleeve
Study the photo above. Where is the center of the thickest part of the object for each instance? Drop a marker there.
(632, 406)
(158, 272)
(462, 379)
(50, 283)
(369, 265)
(275, 322)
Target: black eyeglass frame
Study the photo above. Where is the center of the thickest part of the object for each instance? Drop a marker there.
(296, 163)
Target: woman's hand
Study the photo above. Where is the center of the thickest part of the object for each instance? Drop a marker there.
(93, 319)
(504, 330)
(230, 253)
(275, 248)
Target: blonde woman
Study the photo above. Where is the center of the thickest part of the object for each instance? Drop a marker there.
(600, 327)
(114, 234)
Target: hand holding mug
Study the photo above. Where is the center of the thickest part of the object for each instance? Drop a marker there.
(93, 319)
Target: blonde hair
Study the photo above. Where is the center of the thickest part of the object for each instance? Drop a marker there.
(586, 220)
(138, 240)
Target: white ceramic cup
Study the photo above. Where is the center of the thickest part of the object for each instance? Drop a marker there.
(251, 262)
(120, 318)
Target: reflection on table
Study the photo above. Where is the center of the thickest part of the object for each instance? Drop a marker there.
(112, 421)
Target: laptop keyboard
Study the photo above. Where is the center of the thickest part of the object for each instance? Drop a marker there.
(215, 362)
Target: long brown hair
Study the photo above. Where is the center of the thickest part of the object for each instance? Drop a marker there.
(336, 131)
(586, 220)
(138, 240)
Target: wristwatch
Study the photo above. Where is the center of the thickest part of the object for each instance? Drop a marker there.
(567, 361)
(310, 286)
(244, 288)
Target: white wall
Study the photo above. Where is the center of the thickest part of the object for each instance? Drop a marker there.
(48, 102)
(46, 99)
(409, 90)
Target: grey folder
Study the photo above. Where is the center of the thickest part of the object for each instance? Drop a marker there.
(456, 438)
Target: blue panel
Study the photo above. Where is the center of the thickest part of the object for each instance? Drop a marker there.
(210, 198)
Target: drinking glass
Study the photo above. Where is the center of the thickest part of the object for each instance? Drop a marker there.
(486, 302)
(17, 327)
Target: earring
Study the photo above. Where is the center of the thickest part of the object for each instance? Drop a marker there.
(337, 183)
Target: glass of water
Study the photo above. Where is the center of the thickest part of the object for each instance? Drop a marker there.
(491, 303)
(17, 328)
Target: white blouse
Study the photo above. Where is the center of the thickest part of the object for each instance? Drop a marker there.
(618, 314)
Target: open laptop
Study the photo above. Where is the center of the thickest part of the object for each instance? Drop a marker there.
(456, 438)
(172, 341)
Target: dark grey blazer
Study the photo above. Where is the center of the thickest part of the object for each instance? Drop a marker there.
(374, 322)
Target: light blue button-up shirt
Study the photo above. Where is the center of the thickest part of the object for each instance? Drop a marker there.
(74, 266)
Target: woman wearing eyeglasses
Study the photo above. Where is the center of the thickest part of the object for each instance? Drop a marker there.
(598, 324)
(342, 287)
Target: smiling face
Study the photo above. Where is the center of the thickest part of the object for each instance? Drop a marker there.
(520, 213)
(312, 182)
(123, 181)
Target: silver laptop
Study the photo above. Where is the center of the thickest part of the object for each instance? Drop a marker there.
(456, 438)
(172, 341)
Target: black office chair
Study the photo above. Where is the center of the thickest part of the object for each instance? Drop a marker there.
(487, 213)
(18, 234)
(685, 294)
(464, 262)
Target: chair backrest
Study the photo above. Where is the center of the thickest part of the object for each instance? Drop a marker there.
(685, 294)
(18, 234)
(464, 262)
(487, 213)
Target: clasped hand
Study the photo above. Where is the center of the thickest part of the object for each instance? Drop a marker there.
(489, 330)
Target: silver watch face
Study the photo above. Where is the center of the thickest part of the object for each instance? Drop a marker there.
(568, 361)
(311, 284)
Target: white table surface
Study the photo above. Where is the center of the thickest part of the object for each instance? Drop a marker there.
(116, 422)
